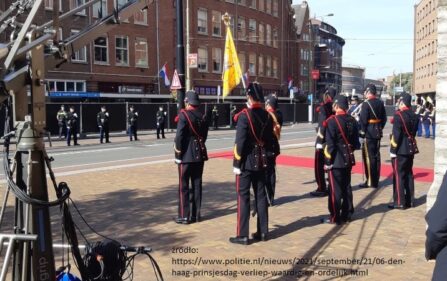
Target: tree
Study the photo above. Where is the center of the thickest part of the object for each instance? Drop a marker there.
(407, 81)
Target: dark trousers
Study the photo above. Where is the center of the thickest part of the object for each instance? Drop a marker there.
(319, 170)
(133, 132)
(433, 129)
(161, 128)
(340, 202)
(215, 124)
(403, 181)
(73, 131)
(190, 199)
(440, 272)
(270, 182)
(419, 133)
(104, 132)
(427, 129)
(371, 161)
(243, 183)
(61, 130)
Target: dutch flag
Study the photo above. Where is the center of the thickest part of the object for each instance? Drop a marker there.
(290, 86)
(164, 74)
(246, 79)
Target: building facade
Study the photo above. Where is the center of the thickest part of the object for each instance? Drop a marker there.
(425, 48)
(353, 80)
(328, 53)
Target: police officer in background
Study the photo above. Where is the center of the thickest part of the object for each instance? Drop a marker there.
(72, 126)
(161, 116)
(190, 155)
(254, 137)
(61, 117)
(372, 121)
(102, 119)
(132, 122)
(233, 113)
(215, 115)
(402, 150)
(271, 105)
(341, 141)
(324, 112)
(354, 104)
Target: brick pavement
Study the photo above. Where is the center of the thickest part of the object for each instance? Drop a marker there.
(137, 205)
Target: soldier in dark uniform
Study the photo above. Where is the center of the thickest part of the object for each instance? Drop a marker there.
(436, 243)
(190, 155)
(72, 126)
(341, 141)
(271, 105)
(254, 137)
(402, 151)
(324, 112)
(62, 121)
(215, 115)
(132, 122)
(161, 116)
(103, 123)
(372, 121)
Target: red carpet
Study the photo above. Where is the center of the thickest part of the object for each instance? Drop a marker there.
(420, 174)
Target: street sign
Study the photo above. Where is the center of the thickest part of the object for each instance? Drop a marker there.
(315, 74)
(192, 60)
(176, 84)
(398, 89)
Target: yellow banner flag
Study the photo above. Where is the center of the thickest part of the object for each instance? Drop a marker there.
(232, 73)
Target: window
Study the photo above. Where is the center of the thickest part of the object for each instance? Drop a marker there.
(80, 55)
(268, 66)
(217, 23)
(217, 60)
(261, 5)
(275, 38)
(252, 64)
(202, 59)
(261, 34)
(202, 21)
(261, 66)
(100, 9)
(141, 57)
(77, 3)
(241, 29)
(251, 4)
(241, 2)
(49, 5)
(122, 50)
(121, 3)
(231, 1)
(268, 6)
(101, 50)
(252, 30)
(66, 86)
(241, 57)
(275, 8)
(268, 31)
(232, 25)
(140, 17)
(275, 68)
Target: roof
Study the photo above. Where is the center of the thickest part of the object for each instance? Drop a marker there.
(300, 15)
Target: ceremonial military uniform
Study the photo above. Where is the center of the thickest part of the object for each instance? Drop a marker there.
(132, 122)
(190, 155)
(61, 121)
(324, 112)
(341, 141)
(277, 118)
(402, 149)
(102, 118)
(436, 243)
(254, 136)
(161, 123)
(72, 126)
(372, 121)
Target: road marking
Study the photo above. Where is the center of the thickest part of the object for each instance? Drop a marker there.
(298, 145)
(87, 151)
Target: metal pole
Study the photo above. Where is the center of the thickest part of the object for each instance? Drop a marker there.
(158, 44)
(180, 54)
(188, 48)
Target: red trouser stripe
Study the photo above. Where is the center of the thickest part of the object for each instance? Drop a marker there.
(238, 230)
(397, 181)
(181, 190)
(331, 177)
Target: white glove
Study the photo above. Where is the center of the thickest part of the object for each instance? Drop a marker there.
(178, 161)
(136, 113)
(100, 126)
(362, 140)
(236, 171)
(107, 114)
(158, 124)
(392, 155)
(75, 115)
(319, 146)
(328, 167)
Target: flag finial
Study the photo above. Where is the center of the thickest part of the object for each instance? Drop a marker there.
(226, 19)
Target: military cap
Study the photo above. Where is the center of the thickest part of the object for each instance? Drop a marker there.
(406, 99)
(192, 98)
(272, 101)
(254, 90)
(371, 88)
(342, 102)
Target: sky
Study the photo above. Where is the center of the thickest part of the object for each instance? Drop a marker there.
(378, 33)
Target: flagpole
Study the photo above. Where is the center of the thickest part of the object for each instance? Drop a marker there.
(158, 46)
